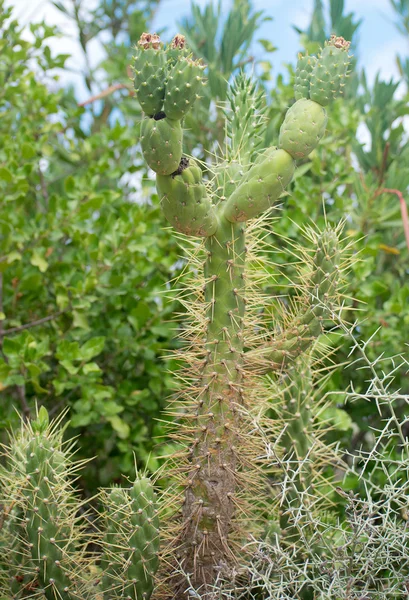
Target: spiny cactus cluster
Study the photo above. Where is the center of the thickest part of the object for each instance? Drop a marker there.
(44, 531)
(222, 386)
(167, 83)
(213, 506)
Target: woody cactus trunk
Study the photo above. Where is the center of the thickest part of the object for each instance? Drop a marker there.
(217, 473)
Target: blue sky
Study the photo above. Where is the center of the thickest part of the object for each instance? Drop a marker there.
(379, 40)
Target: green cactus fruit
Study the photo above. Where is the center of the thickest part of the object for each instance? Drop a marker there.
(131, 544)
(262, 186)
(161, 140)
(303, 71)
(150, 73)
(185, 202)
(176, 50)
(182, 86)
(46, 555)
(330, 71)
(303, 127)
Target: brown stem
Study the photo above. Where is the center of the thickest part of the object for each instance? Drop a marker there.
(110, 90)
(5, 332)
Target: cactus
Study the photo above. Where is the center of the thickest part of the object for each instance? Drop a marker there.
(46, 551)
(161, 140)
(219, 472)
(43, 534)
(182, 86)
(212, 506)
(150, 73)
(131, 541)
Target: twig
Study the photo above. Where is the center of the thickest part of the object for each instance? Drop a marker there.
(32, 324)
(403, 209)
(110, 90)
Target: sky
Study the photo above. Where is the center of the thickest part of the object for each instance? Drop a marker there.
(380, 42)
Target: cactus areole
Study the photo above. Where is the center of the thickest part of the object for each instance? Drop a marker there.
(214, 522)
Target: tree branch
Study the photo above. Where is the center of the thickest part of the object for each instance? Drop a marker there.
(110, 90)
(5, 332)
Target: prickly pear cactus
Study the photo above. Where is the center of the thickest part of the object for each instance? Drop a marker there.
(183, 85)
(218, 483)
(150, 73)
(161, 140)
(131, 542)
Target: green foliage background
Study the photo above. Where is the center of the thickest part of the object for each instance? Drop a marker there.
(85, 257)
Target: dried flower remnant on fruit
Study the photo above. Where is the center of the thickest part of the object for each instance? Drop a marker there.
(149, 40)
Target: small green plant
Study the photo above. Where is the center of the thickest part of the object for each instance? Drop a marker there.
(44, 529)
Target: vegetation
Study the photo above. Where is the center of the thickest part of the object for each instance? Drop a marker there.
(283, 454)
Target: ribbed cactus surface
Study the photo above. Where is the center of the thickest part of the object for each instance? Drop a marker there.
(131, 541)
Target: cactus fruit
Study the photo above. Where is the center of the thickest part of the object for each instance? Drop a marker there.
(330, 71)
(161, 140)
(48, 555)
(185, 202)
(302, 129)
(262, 186)
(131, 542)
(182, 87)
(150, 73)
(305, 65)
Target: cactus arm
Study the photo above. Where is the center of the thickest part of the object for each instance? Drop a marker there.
(305, 327)
(317, 82)
(131, 541)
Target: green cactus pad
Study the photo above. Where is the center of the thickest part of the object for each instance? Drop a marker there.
(161, 142)
(150, 73)
(330, 71)
(303, 127)
(131, 543)
(262, 186)
(185, 202)
(182, 87)
(303, 71)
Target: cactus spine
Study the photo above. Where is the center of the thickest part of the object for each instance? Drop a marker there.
(219, 468)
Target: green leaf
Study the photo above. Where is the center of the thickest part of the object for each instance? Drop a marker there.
(122, 429)
(6, 175)
(27, 150)
(37, 260)
(91, 367)
(92, 348)
(268, 46)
